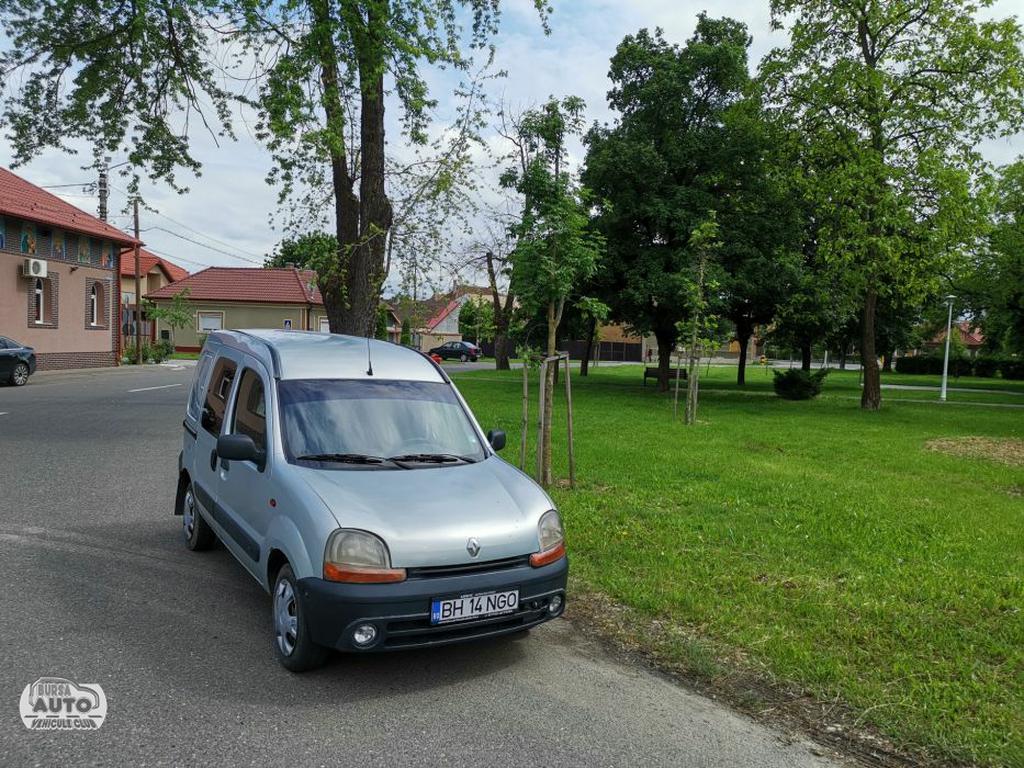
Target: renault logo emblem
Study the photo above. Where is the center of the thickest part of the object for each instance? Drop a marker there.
(473, 547)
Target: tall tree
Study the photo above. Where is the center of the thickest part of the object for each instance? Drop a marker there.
(667, 161)
(314, 71)
(902, 91)
(555, 248)
(994, 286)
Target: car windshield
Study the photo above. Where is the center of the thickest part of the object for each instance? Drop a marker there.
(359, 424)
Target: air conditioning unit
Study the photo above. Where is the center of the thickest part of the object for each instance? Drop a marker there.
(34, 268)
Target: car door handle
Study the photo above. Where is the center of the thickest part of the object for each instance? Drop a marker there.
(213, 460)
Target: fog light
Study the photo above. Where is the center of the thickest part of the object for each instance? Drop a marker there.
(364, 635)
(555, 606)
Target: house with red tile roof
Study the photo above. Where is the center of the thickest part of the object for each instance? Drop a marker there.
(971, 338)
(154, 273)
(59, 277)
(247, 297)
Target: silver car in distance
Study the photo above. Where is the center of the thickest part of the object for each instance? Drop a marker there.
(349, 477)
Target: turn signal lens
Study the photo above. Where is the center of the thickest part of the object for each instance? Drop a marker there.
(537, 559)
(354, 574)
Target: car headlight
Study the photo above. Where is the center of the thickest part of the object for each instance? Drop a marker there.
(552, 540)
(359, 557)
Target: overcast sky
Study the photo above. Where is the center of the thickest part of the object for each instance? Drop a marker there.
(229, 207)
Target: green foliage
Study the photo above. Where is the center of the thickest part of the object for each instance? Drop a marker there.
(314, 250)
(406, 337)
(689, 139)
(1011, 368)
(994, 287)
(179, 313)
(895, 97)
(476, 320)
(797, 384)
(380, 330)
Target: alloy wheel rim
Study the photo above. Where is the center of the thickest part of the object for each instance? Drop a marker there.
(286, 623)
(189, 514)
(20, 375)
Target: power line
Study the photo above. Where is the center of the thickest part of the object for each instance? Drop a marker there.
(204, 245)
(195, 231)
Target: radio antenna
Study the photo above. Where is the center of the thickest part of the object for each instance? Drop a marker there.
(369, 360)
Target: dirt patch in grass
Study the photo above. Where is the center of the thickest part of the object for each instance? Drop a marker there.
(1007, 451)
(729, 676)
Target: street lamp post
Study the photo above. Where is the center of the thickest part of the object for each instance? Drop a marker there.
(945, 359)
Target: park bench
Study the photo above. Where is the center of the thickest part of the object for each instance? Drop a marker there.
(652, 373)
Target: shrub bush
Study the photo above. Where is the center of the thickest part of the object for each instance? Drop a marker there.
(932, 365)
(987, 366)
(797, 384)
(1012, 369)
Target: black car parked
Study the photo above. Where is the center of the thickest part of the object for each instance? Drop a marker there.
(458, 350)
(17, 363)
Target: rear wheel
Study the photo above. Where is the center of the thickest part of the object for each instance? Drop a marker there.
(464, 358)
(19, 376)
(198, 534)
(293, 645)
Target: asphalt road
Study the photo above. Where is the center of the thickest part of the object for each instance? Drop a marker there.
(98, 588)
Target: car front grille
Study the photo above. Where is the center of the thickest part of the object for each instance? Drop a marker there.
(466, 569)
(411, 633)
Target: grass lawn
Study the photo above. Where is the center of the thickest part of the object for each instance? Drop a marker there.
(823, 545)
(184, 356)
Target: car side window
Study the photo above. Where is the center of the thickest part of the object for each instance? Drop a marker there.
(217, 394)
(251, 409)
(195, 398)
(3, 343)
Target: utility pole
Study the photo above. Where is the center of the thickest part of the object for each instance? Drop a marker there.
(104, 191)
(138, 288)
(945, 358)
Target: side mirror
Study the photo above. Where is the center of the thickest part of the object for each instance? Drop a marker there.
(496, 437)
(239, 448)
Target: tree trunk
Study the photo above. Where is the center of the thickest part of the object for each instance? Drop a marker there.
(842, 356)
(665, 343)
(502, 316)
(871, 395)
(805, 356)
(743, 335)
(591, 333)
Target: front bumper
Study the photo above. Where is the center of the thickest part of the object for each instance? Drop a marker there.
(401, 612)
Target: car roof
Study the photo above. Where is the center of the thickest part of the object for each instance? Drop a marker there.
(313, 355)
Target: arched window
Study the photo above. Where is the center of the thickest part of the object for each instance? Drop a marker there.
(94, 306)
(39, 306)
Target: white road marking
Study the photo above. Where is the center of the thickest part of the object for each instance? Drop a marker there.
(4, 413)
(147, 389)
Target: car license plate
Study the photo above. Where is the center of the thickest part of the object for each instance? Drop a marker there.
(466, 607)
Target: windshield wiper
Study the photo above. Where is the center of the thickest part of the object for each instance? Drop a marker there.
(431, 458)
(343, 458)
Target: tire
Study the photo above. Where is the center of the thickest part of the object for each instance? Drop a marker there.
(19, 376)
(464, 358)
(293, 645)
(198, 534)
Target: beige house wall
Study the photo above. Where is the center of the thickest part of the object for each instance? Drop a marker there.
(71, 334)
(236, 315)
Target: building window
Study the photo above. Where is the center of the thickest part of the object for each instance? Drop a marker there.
(325, 325)
(59, 248)
(42, 302)
(39, 299)
(28, 238)
(208, 322)
(3, 232)
(83, 250)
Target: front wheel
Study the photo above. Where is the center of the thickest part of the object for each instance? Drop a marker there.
(293, 645)
(19, 376)
(464, 358)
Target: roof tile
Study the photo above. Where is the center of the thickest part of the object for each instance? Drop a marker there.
(255, 284)
(27, 201)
